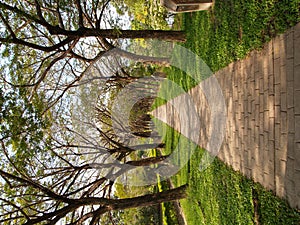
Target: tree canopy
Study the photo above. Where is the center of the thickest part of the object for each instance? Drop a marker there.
(59, 156)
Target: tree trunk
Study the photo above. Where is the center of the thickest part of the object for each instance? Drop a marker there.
(150, 199)
(148, 161)
(142, 58)
(141, 201)
(167, 35)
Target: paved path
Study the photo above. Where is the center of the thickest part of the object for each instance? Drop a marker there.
(262, 96)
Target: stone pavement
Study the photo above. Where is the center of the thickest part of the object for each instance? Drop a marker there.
(262, 97)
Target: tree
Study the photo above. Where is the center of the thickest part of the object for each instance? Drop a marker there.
(69, 178)
(57, 36)
(144, 14)
(56, 164)
(75, 210)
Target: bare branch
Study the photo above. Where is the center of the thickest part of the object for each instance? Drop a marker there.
(98, 22)
(24, 14)
(7, 26)
(34, 185)
(36, 46)
(60, 20)
(17, 207)
(80, 13)
(39, 11)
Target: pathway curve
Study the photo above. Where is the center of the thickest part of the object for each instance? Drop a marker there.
(262, 95)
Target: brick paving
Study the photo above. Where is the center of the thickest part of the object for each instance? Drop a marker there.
(262, 95)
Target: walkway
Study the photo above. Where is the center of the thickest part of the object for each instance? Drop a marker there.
(262, 95)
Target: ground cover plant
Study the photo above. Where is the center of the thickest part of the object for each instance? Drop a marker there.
(220, 36)
(219, 195)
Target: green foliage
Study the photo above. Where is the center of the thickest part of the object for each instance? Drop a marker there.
(137, 216)
(144, 14)
(24, 142)
(220, 195)
(274, 211)
(141, 70)
(233, 28)
(168, 209)
(23, 124)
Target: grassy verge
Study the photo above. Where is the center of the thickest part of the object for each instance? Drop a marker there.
(233, 28)
(225, 34)
(219, 195)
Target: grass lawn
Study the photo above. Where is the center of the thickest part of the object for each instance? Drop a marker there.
(227, 33)
(219, 195)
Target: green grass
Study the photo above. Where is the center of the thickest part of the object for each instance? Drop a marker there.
(225, 34)
(234, 28)
(219, 195)
(230, 31)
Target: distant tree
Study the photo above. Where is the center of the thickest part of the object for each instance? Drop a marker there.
(63, 175)
(45, 41)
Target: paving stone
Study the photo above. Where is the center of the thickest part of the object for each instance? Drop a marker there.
(283, 102)
(291, 192)
(291, 120)
(266, 101)
(296, 48)
(258, 175)
(282, 154)
(297, 128)
(271, 85)
(266, 76)
(261, 122)
(261, 142)
(277, 134)
(279, 181)
(297, 185)
(290, 44)
(271, 129)
(261, 85)
(283, 79)
(277, 95)
(290, 69)
(291, 146)
(280, 170)
(290, 95)
(261, 103)
(296, 29)
(297, 102)
(277, 114)
(276, 46)
(266, 121)
(297, 155)
(271, 106)
(283, 122)
(277, 71)
(290, 170)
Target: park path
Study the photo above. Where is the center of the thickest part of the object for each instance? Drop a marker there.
(262, 97)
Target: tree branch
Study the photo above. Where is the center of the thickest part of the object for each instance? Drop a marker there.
(115, 34)
(60, 20)
(7, 26)
(80, 13)
(35, 46)
(98, 21)
(34, 185)
(24, 14)
(39, 11)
